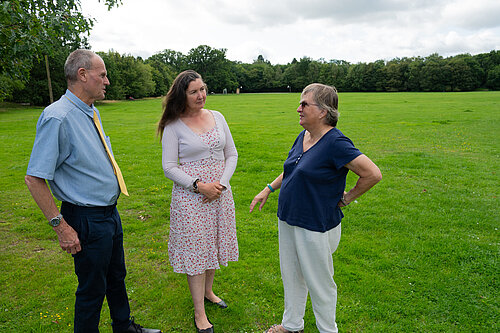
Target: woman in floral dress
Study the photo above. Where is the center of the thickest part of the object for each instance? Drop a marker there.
(199, 156)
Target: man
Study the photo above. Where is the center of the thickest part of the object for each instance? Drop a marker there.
(72, 153)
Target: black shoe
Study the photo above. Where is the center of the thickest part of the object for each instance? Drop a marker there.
(221, 304)
(136, 328)
(206, 330)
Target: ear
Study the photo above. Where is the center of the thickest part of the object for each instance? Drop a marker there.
(82, 74)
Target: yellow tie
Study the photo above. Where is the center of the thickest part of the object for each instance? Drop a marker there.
(118, 173)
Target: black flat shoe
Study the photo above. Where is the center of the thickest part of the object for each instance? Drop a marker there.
(206, 330)
(221, 304)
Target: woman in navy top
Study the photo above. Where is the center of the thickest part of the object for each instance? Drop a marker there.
(309, 207)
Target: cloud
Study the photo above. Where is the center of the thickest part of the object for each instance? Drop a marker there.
(280, 30)
(265, 13)
(483, 14)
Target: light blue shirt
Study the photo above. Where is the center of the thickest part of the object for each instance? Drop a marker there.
(69, 153)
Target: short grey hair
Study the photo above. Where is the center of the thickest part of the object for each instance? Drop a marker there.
(80, 58)
(327, 99)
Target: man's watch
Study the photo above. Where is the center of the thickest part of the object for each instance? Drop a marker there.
(54, 222)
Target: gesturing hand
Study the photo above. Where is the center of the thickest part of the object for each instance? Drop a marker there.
(261, 197)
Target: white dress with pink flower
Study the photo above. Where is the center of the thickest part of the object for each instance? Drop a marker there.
(202, 235)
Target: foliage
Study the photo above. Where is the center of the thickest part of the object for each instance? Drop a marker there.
(493, 81)
(35, 91)
(213, 66)
(134, 77)
(129, 76)
(259, 77)
(174, 60)
(164, 67)
(419, 252)
(30, 29)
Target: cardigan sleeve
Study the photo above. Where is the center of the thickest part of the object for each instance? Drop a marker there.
(230, 155)
(170, 156)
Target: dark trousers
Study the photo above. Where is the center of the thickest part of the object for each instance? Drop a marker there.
(99, 266)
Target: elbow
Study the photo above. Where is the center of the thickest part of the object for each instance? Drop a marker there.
(169, 170)
(29, 180)
(232, 158)
(231, 154)
(167, 167)
(377, 175)
(32, 181)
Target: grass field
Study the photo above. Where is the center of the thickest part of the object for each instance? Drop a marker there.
(419, 252)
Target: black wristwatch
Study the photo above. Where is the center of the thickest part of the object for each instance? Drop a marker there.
(55, 221)
(195, 186)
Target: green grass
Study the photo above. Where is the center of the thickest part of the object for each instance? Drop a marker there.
(419, 252)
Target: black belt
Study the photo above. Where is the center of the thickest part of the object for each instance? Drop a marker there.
(84, 210)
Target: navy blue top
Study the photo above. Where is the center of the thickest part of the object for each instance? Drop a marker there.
(314, 182)
(69, 153)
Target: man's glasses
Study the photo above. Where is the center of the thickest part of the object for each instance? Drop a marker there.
(304, 104)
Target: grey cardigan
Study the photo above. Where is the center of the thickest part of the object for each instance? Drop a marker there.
(180, 144)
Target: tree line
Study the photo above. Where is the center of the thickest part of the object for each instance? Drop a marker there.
(134, 77)
(37, 35)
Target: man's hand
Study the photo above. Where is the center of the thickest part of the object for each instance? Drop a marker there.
(68, 238)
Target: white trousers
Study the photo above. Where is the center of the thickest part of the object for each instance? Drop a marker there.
(307, 266)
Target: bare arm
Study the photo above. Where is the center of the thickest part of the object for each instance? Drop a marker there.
(68, 238)
(264, 194)
(369, 175)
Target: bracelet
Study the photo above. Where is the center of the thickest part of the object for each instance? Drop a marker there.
(270, 187)
(343, 201)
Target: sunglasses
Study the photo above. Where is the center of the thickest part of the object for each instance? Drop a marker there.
(304, 104)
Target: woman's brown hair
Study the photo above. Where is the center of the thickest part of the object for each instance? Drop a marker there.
(174, 103)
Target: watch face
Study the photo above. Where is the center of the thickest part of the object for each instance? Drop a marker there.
(55, 221)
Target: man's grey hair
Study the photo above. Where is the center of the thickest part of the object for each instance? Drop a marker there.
(80, 58)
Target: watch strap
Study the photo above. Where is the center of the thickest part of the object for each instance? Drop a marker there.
(195, 185)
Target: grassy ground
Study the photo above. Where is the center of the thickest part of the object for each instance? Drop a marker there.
(419, 252)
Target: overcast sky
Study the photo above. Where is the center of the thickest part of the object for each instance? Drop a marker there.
(280, 30)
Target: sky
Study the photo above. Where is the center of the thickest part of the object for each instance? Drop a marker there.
(281, 30)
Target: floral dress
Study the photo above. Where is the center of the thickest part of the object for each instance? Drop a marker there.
(202, 235)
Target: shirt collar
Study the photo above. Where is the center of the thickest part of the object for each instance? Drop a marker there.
(88, 110)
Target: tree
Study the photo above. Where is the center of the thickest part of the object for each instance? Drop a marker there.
(213, 66)
(162, 76)
(462, 76)
(30, 29)
(487, 61)
(165, 65)
(300, 73)
(129, 76)
(434, 76)
(396, 75)
(34, 91)
(415, 74)
(175, 60)
(354, 77)
(374, 76)
(493, 81)
(334, 73)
